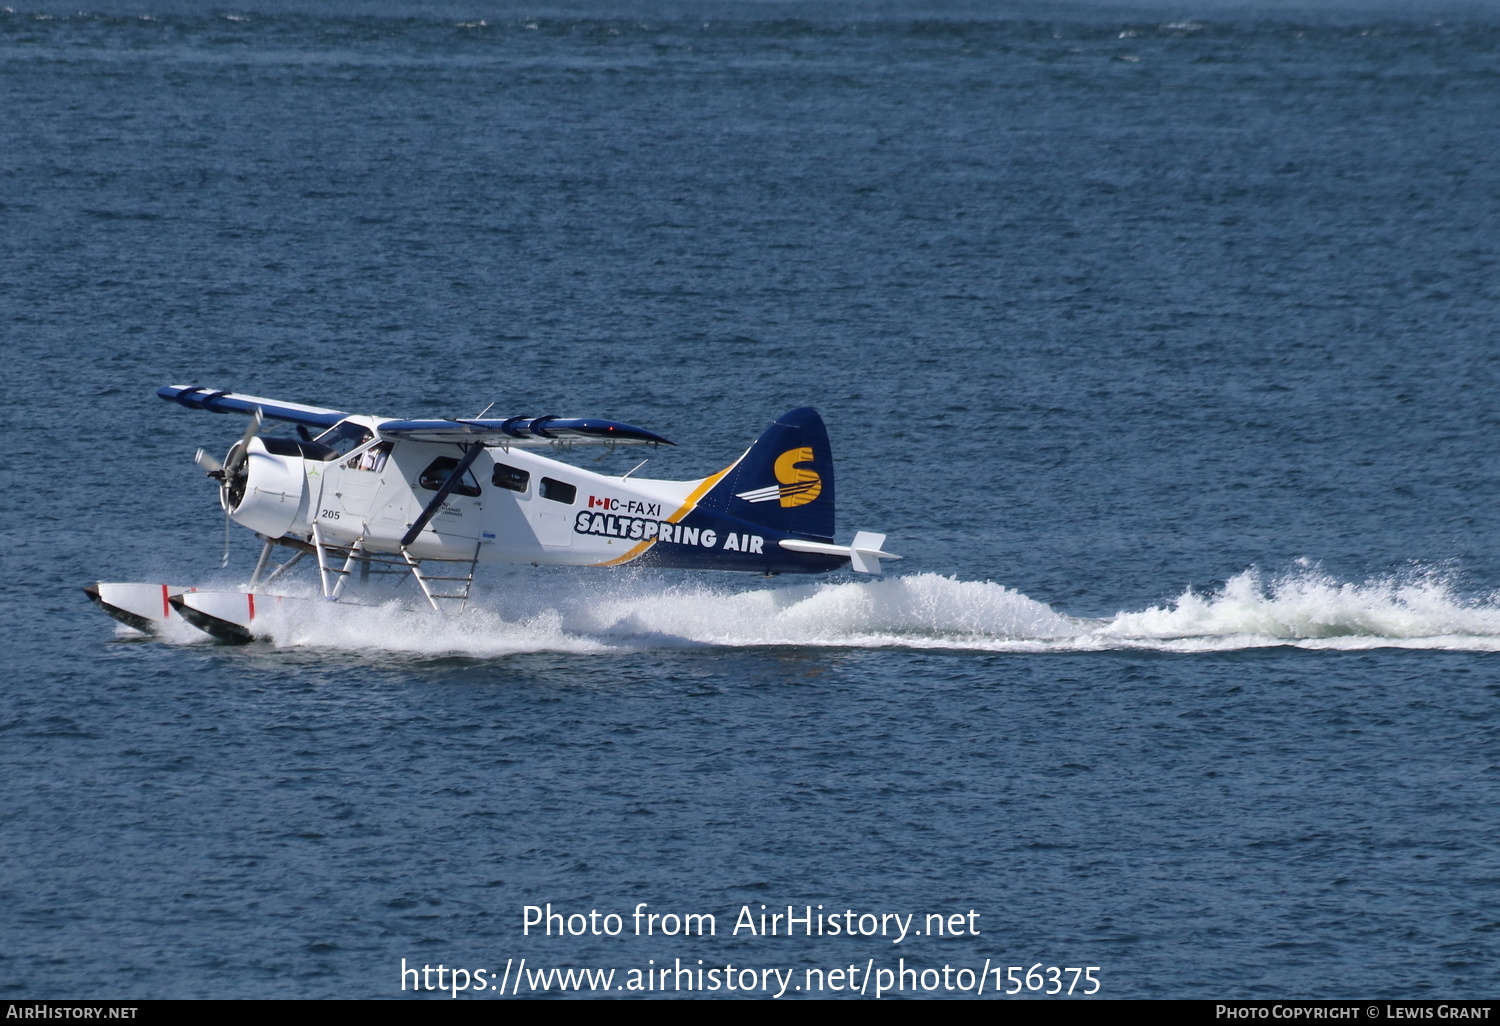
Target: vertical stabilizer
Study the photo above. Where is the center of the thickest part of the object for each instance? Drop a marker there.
(784, 481)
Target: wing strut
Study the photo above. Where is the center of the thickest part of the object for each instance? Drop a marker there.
(471, 453)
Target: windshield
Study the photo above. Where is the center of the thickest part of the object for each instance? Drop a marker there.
(345, 437)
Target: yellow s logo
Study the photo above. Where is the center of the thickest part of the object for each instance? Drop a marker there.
(798, 486)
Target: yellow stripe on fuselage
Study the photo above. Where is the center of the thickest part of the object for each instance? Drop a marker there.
(682, 511)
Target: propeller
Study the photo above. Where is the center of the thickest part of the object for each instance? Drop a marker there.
(237, 453)
(228, 473)
(210, 463)
(240, 451)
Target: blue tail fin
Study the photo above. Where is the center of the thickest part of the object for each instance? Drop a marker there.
(785, 480)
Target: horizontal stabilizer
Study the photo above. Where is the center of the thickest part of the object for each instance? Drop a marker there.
(195, 398)
(863, 553)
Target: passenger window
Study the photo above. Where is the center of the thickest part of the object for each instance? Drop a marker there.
(509, 477)
(558, 491)
(437, 472)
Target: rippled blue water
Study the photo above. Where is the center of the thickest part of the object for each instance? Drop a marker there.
(1160, 343)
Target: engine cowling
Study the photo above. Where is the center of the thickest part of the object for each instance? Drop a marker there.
(268, 492)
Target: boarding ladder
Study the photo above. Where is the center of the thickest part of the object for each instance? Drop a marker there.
(454, 596)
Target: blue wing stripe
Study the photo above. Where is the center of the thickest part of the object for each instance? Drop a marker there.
(522, 429)
(195, 398)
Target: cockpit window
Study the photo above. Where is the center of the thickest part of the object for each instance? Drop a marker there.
(437, 472)
(344, 437)
(372, 458)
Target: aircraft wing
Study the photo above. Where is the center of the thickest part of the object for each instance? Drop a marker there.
(523, 432)
(195, 398)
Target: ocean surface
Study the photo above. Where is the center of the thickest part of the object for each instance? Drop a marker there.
(1160, 340)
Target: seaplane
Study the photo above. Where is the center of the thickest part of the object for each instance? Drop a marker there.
(427, 501)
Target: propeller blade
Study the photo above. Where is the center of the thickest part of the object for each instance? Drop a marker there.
(208, 461)
(240, 452)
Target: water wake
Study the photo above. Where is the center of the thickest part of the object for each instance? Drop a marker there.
(1309, 609)
(1304, 608)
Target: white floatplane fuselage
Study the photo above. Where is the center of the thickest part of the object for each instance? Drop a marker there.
(434, 498)
(512, 506)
